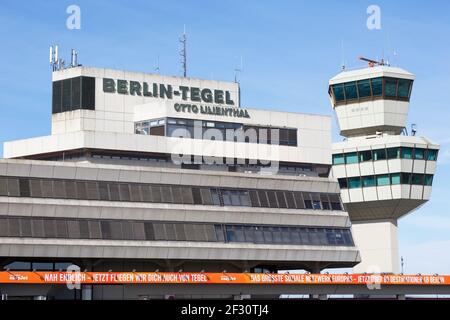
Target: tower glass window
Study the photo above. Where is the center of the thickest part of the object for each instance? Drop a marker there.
(379, 154)
(338, 90)
(432, 155)
(428, 180)
(350, 90)
(354, 182)
(377, 88)
(383, 180)
(365, 155)
(390, 89)
(404, 88)
(393, 153)
(395, 178)
(368, 181)
(419, 154)
(338, 158)
(417, 179)
(364, 88)
(407, 153)
(351, 157)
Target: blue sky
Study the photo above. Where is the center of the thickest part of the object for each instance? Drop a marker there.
(289, 48)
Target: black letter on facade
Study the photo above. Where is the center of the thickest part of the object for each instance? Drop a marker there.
(109, 85)
(135, 87)
(122, 86)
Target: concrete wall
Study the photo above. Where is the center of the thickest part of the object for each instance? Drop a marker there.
(378, 244)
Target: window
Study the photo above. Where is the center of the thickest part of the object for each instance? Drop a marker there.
(343, 183)
(383, 180)
(290, 200)
(351, 157)
(24, 187)
(432, 155)
(316, 205)
(379, 154)
(417, 179)
(395, 178)
(254, 198)
(206, 196)
(308, 204)
(338, 90)
(368, 181)
(124, 192)
(336, 206)
(377, 88)
(428, 179)
(166, 194)
(407, 153)
(281, 199)
(390, 89)
(393, 153)
(350, 90)
(365, 155)
(419, 153)
(354, 182)
(263, 198)
(405, 178)
(272, 199)
(404, 88)
(364, 88)
(197, 197)
(72, 94)
(338, 159)
(176, 193)
(215, 197)
(235, 201)
(299, 200)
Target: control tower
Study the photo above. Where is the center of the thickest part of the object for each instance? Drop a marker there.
(384, 173)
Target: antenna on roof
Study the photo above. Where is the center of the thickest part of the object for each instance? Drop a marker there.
(53, 57)
(57, 63)
(342, 55)
(183, 40)
(74, 58)
(413, 129)
(372, 63)
(157, 64)
(236, 70)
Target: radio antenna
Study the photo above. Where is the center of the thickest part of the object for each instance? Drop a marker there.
(183, 40)
(157, 64)
(236, 70)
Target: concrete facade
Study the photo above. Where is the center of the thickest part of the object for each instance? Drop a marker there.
(116, 206)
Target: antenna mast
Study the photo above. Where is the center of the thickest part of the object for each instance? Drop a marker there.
(236, 70)
(183, 40)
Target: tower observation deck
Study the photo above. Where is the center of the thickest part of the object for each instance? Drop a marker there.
(383, 174)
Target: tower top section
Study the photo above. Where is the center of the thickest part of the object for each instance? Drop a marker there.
(371, 100)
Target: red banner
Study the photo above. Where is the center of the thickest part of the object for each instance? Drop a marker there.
(216, 278)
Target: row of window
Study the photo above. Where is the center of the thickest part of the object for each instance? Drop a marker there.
(72, 94)
(383, 154)
(167, 231)
(215, 130)
(386, 179)
(38, 266)
(391, 88)
(139, 192)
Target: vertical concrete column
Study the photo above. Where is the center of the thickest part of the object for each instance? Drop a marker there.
(377, 242)
(86, 292)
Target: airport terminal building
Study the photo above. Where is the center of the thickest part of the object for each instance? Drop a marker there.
(144, 172)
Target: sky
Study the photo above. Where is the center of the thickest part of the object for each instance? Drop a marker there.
(289, 50)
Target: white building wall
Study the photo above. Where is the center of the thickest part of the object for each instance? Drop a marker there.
(377, 242)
